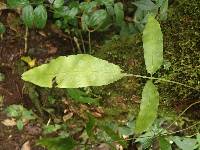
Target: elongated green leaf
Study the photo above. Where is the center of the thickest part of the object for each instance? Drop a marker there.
(164, 144)
(2, 28)
(40, 16)
(27, 16)
(17, 3)
(148, 107)
(119, 13)
(58, 3)
(81, 97)
(57, 143)
(153, 45)
(74, 71)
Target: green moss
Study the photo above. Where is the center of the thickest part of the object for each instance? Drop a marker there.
(181, 49)
(181, 52)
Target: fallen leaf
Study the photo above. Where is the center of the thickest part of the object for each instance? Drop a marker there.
(26, 146)
(9, 122)
(29, 61)
(67, 117)
(3, 6)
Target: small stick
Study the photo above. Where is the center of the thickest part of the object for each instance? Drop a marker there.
(26, 40)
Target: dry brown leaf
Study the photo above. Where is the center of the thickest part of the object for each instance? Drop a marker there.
(3, 6)
(67, 117)
(26, 146)
(9, 122)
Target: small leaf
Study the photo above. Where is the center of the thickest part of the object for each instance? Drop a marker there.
(148, 107)
(81, 97)
(114, 136)
(2, 28)
(74, 71)
(51, 128)
(185, 143)
(153, 45)
(40, 16)
(20, 124)
(145, 4)
(27, 16)
(29, 61)
(164, 144)
(58, 3)
(97, 19)
(17, 3)
(119, 13)
(57, 143)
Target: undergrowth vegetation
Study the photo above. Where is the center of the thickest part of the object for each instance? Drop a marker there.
(118, 95)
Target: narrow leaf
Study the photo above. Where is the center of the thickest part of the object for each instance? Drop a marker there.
(148, 107)
(74, 71)
(40, 16)
(27, 16)
(119, 13)
(153, 45)
(145, 4)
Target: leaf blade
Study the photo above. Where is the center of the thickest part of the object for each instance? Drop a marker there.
(74, 71)
(27, 15)
(148, 107)
(40, 16)
(153, 45)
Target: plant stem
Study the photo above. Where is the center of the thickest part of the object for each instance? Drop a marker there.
(160, 79)
(89, 39)
(183, 113)
(84, 51)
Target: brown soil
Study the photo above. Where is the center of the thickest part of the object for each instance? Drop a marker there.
(41, 45)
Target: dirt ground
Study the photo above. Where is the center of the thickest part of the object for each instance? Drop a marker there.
(41, 45)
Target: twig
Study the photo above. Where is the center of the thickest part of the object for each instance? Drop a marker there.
(161, 79)
(26, 40)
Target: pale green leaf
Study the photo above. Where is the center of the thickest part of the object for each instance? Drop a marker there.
(58, 3)
(40, 16)
(27, 16)
(148, 107)
(153, 45)
(185, 143)
(198, 139)
(164, 144)
(20, 124)
(74, 71)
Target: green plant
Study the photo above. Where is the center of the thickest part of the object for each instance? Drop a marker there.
(21, 114)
